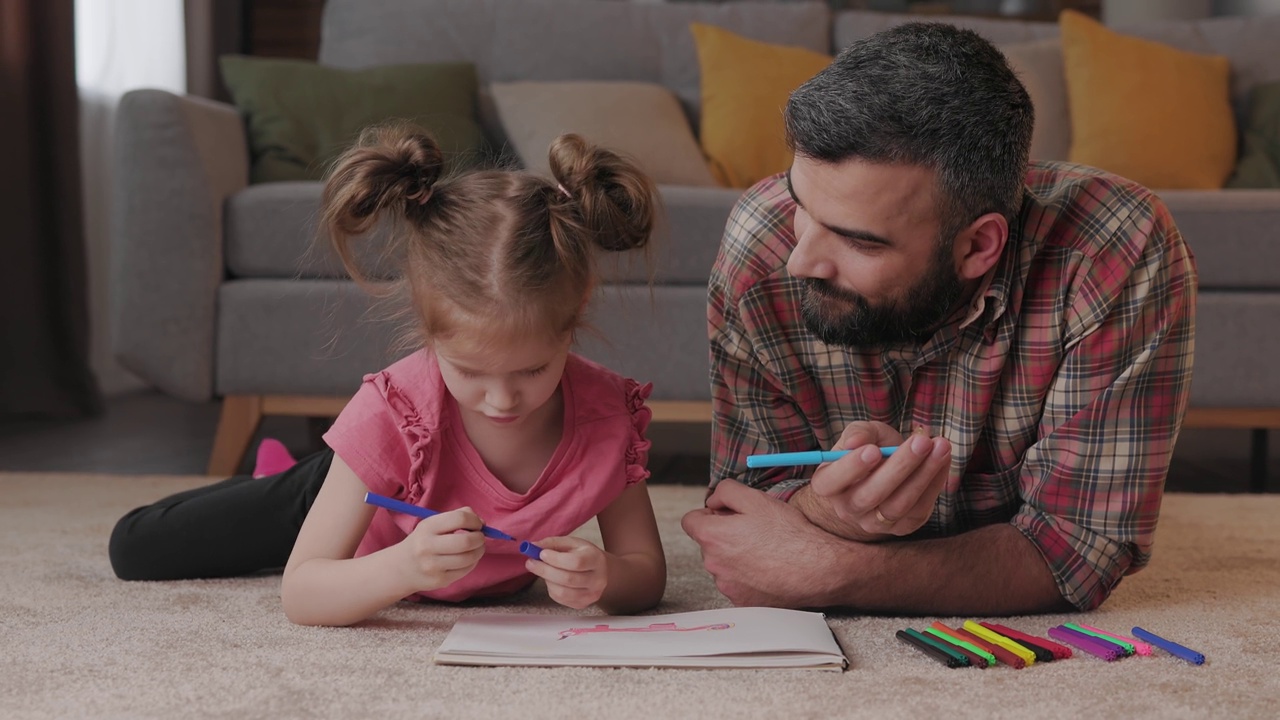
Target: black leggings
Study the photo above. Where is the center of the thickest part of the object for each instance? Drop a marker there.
(239, 526)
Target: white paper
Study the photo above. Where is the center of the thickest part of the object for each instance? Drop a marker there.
(734, 637)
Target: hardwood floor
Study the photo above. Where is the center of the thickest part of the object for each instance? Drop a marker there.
(148, 433)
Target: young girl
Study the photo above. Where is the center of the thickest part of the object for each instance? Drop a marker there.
(493, 422)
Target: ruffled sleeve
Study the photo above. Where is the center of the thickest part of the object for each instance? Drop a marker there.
(637, 459)
(382, 436)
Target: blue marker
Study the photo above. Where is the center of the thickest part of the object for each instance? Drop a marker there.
(1169, 646)
(529, 549)
(811, 457)
(404, 507)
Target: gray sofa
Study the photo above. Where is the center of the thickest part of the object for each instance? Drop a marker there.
(220, 291)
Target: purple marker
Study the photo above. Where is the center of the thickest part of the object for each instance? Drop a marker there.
(530, 550)
(1087, 643)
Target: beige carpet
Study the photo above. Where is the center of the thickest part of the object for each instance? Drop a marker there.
(75, 642)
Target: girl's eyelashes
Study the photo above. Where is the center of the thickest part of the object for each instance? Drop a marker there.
(531, 373)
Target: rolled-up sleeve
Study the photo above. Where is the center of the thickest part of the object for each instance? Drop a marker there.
(1092, 484)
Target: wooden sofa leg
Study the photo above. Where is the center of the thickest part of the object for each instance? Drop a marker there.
(241, 415)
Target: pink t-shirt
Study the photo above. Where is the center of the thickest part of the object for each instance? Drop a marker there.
(403, 436)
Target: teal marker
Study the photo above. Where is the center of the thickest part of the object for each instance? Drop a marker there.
(811, 457)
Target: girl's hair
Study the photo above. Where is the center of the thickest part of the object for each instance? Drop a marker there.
(504, 252)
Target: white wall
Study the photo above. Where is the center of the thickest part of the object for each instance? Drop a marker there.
(120, 45)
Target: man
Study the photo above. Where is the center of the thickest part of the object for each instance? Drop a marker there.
(1023, 334)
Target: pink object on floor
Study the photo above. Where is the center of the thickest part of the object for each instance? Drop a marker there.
(273, 457)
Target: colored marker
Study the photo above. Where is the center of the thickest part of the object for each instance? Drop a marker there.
(1140, 647)
(933, 652)
(1087, 643)
(530, 550)
(810, 457)
(1169, 646)
(1128, 647)
(997, 639)
(403, 507)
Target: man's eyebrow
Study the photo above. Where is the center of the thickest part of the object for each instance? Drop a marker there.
(862, 235)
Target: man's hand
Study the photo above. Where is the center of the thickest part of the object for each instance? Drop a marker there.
(866, 497)
(576, 571)
(762, 551)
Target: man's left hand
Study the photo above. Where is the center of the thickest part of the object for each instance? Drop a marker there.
(762, 551)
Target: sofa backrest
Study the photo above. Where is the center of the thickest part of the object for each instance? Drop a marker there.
(551, 40)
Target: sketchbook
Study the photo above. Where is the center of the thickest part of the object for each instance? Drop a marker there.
(751, 637)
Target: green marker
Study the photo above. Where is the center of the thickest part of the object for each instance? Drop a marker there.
(991, 659)
(1129, 649)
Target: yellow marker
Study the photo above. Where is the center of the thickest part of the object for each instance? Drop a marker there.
(1000, 640)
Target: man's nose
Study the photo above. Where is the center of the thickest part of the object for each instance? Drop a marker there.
(809, 259)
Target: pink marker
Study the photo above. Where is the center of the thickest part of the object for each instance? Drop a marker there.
(1138, 646)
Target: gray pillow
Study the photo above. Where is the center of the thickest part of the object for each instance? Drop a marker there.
(640, 120)
(1039, 65)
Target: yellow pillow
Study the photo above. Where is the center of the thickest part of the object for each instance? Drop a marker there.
(1144, 110)
(745, 86)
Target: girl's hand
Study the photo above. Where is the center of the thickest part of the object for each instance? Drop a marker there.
(442, 548)
(576, 571)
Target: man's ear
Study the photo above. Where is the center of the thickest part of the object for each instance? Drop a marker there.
(979, 246)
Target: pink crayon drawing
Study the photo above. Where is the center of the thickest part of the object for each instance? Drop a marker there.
(655, 627)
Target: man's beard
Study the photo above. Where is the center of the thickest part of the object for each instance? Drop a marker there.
(908, 317)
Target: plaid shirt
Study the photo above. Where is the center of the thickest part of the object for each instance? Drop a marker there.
(1061, 390)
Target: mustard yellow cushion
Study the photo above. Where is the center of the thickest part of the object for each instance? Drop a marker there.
(745, 86)
(1144, 110)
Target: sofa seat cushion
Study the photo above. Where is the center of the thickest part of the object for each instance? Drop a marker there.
(1234, 235)
(319, 337)
(272, 231)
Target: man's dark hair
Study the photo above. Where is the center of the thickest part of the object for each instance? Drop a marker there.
(926, 94)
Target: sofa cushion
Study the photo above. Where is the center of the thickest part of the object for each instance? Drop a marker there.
(318, 337)
(1232, 234)
(1259, 166)
(301, 115)
(641, 120)
(1039, 65)
(745, 86)
(804, 25)
(272, 232)
(1145, 110)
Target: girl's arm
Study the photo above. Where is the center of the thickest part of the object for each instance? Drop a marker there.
(324, 585)
(637, 565)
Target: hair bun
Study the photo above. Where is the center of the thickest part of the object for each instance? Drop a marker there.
(616, 200)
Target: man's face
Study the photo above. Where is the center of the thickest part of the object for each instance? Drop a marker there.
(868, 248)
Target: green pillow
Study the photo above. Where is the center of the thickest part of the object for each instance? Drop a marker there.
(1259, 166)
(302, 115)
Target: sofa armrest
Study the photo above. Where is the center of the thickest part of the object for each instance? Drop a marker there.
(177, 160)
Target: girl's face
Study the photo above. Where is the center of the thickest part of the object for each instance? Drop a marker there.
(506, 385)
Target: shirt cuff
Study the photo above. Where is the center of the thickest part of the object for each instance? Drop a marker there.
(1086, 565)
(784, 489)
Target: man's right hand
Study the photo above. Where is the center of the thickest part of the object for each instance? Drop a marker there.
(866, 497)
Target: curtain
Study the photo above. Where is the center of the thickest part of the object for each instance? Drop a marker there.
(44, 319)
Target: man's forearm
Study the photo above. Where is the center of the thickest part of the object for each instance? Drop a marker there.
(994, 570)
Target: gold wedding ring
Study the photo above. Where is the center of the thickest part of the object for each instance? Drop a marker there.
(882, 519)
